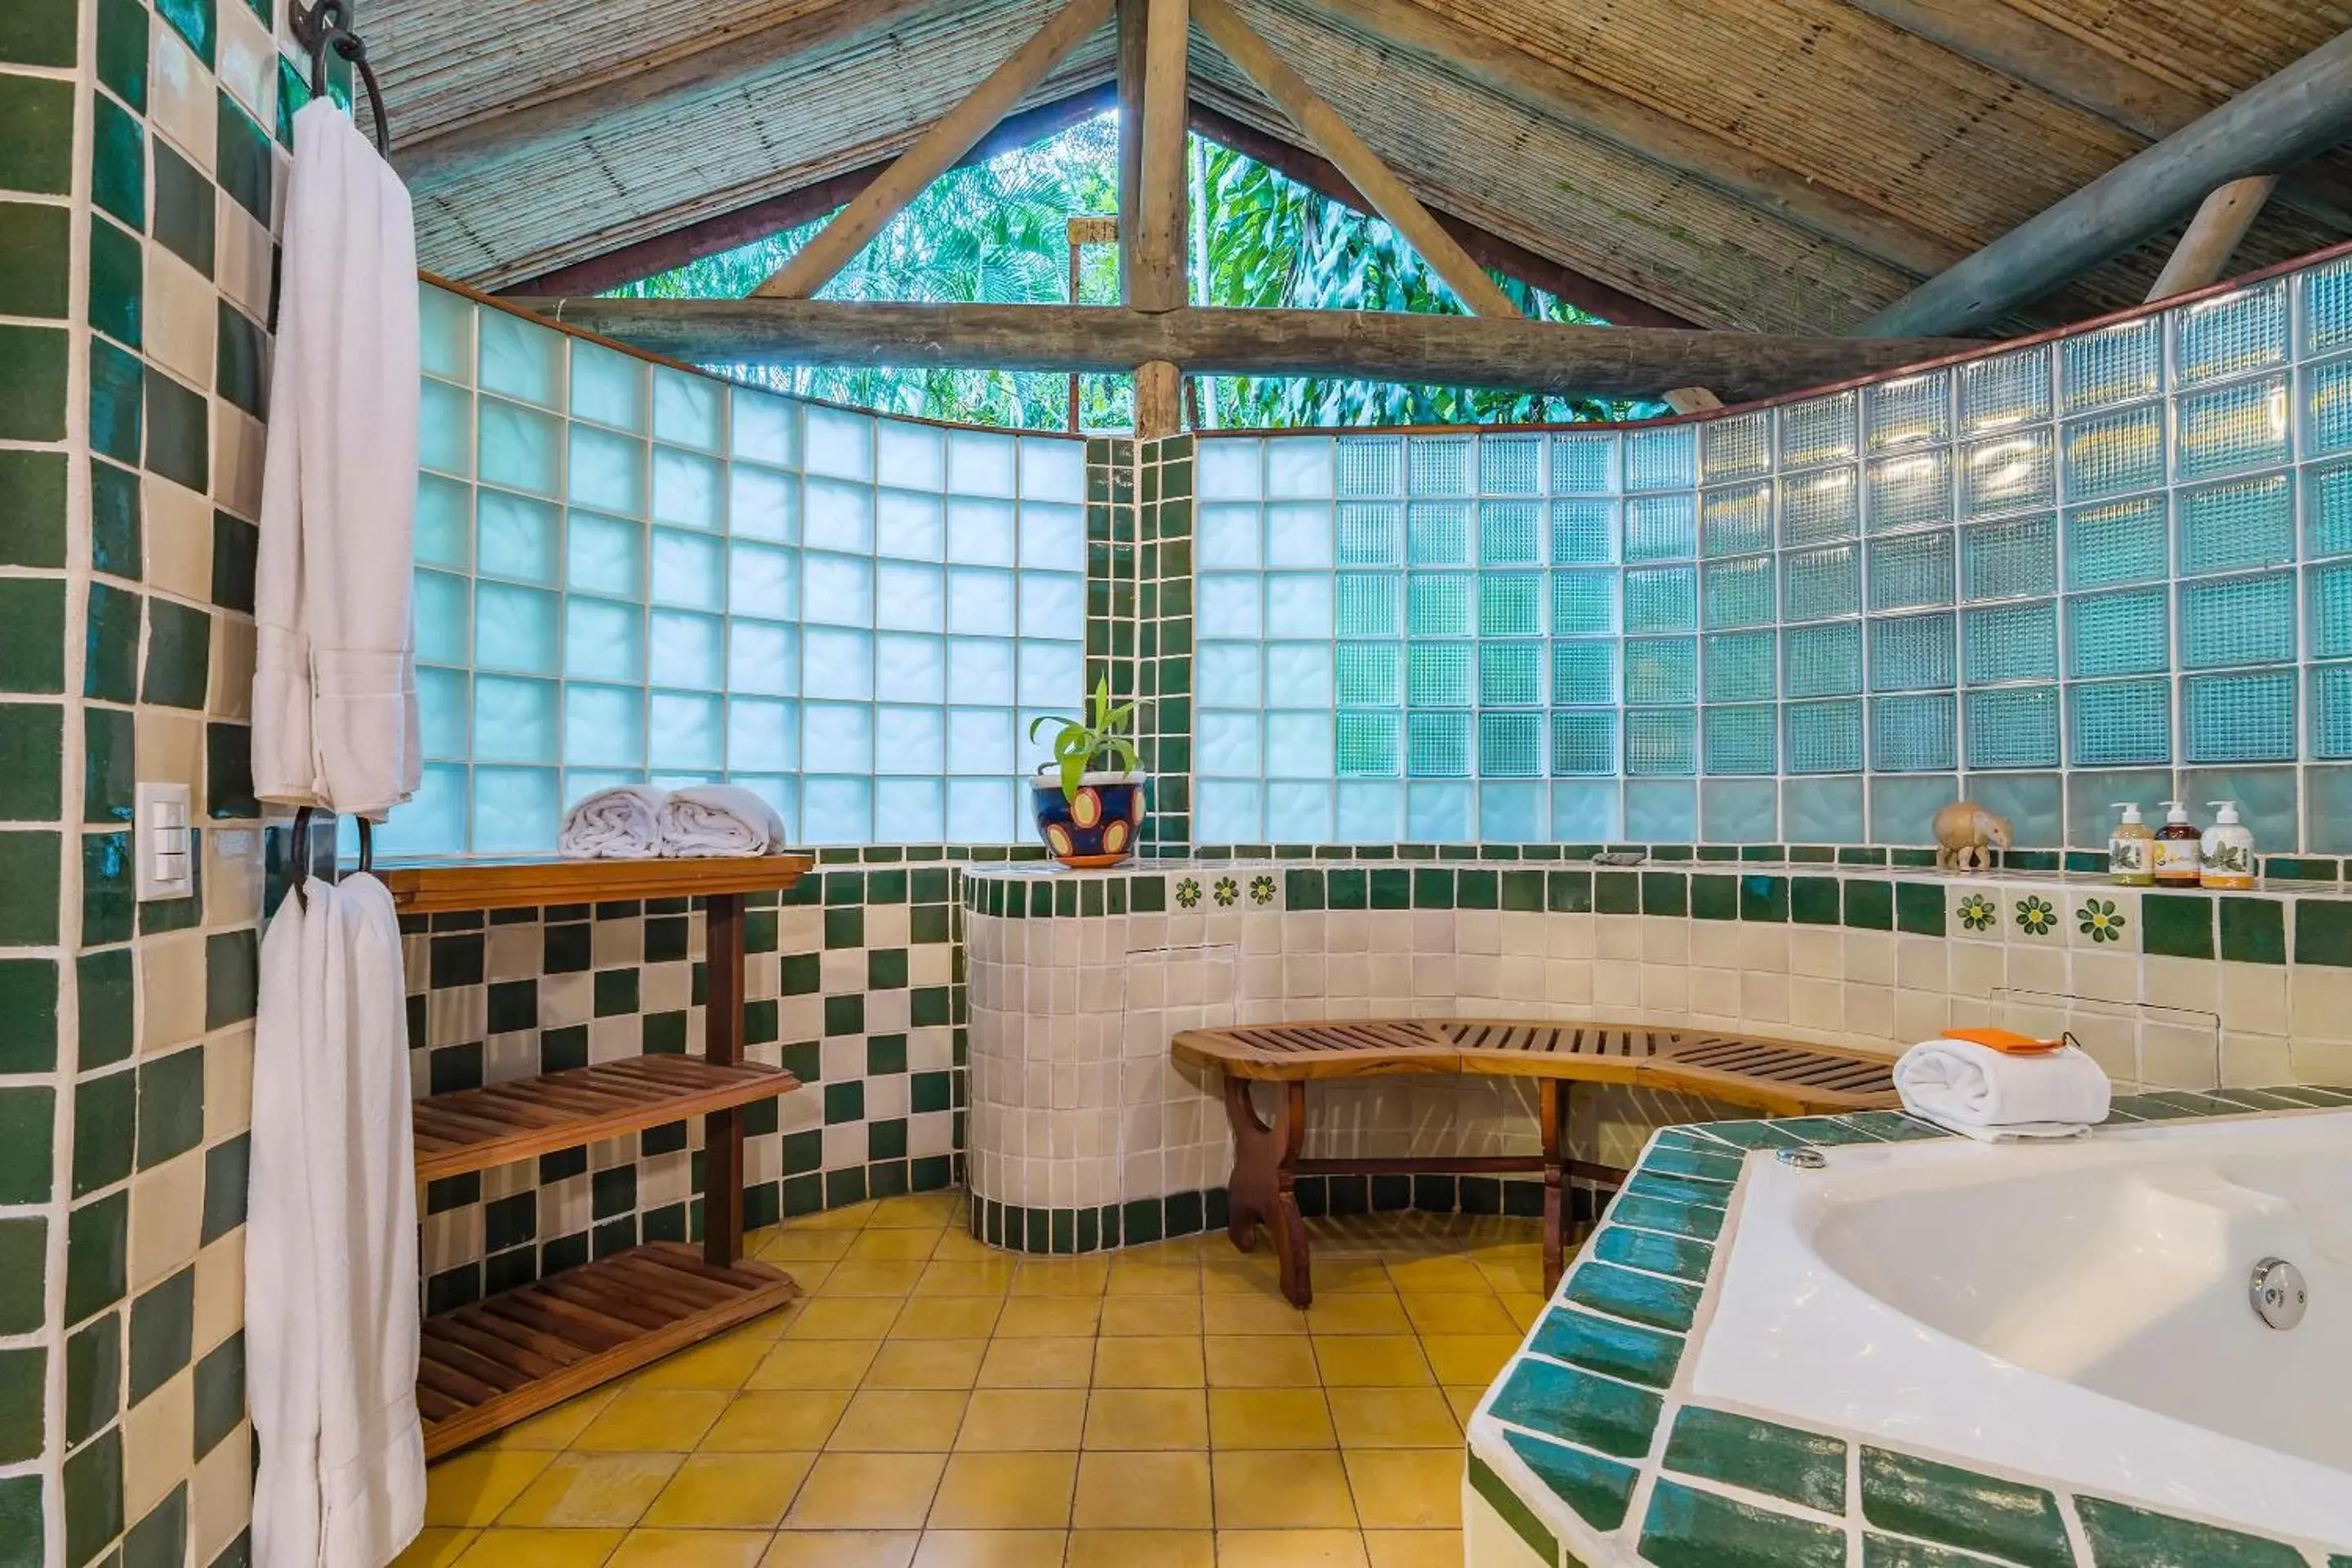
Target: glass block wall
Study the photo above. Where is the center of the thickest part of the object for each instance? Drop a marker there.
(626, 571)
(2115, 565)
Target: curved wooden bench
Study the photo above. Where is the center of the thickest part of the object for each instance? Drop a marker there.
(1778, 1077)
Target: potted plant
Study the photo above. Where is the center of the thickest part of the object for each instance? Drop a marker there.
(1090, 815)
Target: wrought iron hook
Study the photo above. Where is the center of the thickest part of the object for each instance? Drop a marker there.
(298, 848)
(327, 25)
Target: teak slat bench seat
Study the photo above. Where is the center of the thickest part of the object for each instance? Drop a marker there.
(1779, 1077)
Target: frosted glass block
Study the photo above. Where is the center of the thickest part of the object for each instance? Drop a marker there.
(764, 505)
(1033, 736)
(514, 721)
(1439, 604)
(1662, 599)
(1438, 675)
(1054, 605)
(1232, 673)
(1910, 491)
(1231, 744)
(1659, 457)
(980, 671)
(2034, 804)
(2005, 391)
(1586, 813)
(764, 428)
(1741, 740)
(520, 450)
(1511, 464)
(603, 640)
(2247, 523)
(689, 571)
(684, 650)
(2327, 407)
(1584, 465)
(1738, 666)
(912, 811)
(429, 823)
(1735, 448)
(1661, 527)
(2111, 365)
(514, 630)
(2012, 642)
(1440, 465)
(2327, 509)
(1817, 583)
(1911, 570)
(1818, 507)
(2124, 542)
(1902, 809)
(1583, 672)
(2008, 472)
(837, 810)
(1736, 521)
(838, 590)
(1510, 674)
(2114, 453)
(1739, 811)
(1229, 467)
(837, 516)
(2330, 589)
(910, 456)
(1511, 533)
(1584, 533)
(1369, 745)
(1230, 605)
(1368, 466)
(1661, 741)
(604, 555)
(1368, 534)
(2238, 620)
(1911, 411)
(910, 667)
(1738, 593)
(980, 741)
(1231, 535)
(1299, 674)
(1661, 670)
(444, 327)
(2213, 340)
(445, 720)
(2331, 717)
(1438, 533)
(1909, 652)
(520, 358)
(607, 472)
(836, 442)
(603, 726)
(1912, 734)
(1371, 675)
(2016, 726)
(1052, 675)
(1228, 811)
(1052, 536)
(1510, 746)
(765, 581)
(607, 387)
(2240, 426)
(763, 656)
(1584, 743)
(980, 811)
(2246, 718)
(2119, 723)
(1823, 738)
(1299, 745)
(445, 522)
(1510, 605)
(909, 740)
(909, 597)
(980, 533)
(1051, 469)
(1583, 602)
(909, 525)
(837, 737)
(2327, 307)
(516, 810)
(1819, 430)
(761, 736)
(1298, 813)
(1437, 745)
(1821, 661)
(835, 662)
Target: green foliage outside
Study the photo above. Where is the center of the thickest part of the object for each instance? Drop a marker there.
(994, 233)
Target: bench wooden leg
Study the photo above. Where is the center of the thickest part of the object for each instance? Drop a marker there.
(1554, 1115)
(1265, 1178)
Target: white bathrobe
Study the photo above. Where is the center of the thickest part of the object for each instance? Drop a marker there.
(334, 685)
(331, 1244)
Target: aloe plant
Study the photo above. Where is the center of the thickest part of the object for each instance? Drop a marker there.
(1101, 733)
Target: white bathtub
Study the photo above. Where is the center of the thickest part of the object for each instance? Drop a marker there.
(2075, 1311)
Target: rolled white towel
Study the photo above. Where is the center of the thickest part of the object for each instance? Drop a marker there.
(1991, 1095)
(719, 819)
(618, 823)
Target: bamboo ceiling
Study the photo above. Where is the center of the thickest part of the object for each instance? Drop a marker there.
(1647, 155)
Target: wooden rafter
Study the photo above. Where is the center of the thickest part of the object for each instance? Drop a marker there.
(948, 140)
(2203, 257)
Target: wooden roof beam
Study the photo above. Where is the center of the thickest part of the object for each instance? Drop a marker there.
(2203, 257)
(2278, 122)
(1156, 37)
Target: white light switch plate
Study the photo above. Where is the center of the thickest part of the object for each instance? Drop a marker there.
(163, 832)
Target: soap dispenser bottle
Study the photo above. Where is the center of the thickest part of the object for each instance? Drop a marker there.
(2131, 849)
(2226, 856)
(2177, 849)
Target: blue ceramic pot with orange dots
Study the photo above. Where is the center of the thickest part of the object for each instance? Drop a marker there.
(1098, 829)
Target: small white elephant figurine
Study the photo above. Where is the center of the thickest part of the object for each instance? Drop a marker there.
(1966, 834)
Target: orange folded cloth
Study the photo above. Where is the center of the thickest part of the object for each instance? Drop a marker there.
(2006, 1041)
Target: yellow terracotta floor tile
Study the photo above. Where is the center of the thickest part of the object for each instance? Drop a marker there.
(1061, 1276)
(1351, 1276)
(880, 1243)
(1413, 1547)
(1152, 1491)
(1005, 1419)
(1392, 1418)
(642, 1420)
(1468, 1314)
(989, 1277)
(1468, 1358)
(1269, 1418)
(1048, 1317)
(1147, 1418)
(1005, 1492)
(729, 1492)
(867, 1491)
(1150, 1360)
(1286, 1488)
(1446, 1273)
(799, 1244)
(593, 1490)
(1133, 1275)
(722, 1364)
(475, 1488)
(1241, 1279)
(889, 1278)
(1125, 1315)
(1261, 1361)
(1367, 1313)
(1384, 1360)
(556, 1428)
(947, 1318)
(1524, 1308)
(1289, 1549)
(926, 1364)
(1463, 1398)
(1142, 1548)
(899, 1421)
(1250, 1315)
(992, 1549)
(920, 1210)
(777, 1421)
(958, 1246)
(691, 1549)
(842, 1548)
(1407, 1488)
(849, 1216)
(845, 1318)
(814, 1363)
(1037, 1363)
(540, 1549)
(436, 1546)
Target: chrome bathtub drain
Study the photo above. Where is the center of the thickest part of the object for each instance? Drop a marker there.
(1805, 1159)
(2278, 1293)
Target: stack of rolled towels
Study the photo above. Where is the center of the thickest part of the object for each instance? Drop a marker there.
(1997, 1086)
(637, 822)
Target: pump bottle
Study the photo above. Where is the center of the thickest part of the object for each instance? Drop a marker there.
(2131, 849)
(2177, 849)
(2226, 855)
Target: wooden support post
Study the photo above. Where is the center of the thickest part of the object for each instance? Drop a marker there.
(1154, 40)
(2202, 255)
(950, 139)
(1552, 1114)
(1691, 399)
(723, 1043)
(1363, 167)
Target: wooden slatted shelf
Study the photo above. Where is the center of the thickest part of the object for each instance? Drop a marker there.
(488, 1366)
(435, 887)
(477, 1129)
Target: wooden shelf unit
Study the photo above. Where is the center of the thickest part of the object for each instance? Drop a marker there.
(486, 1366)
